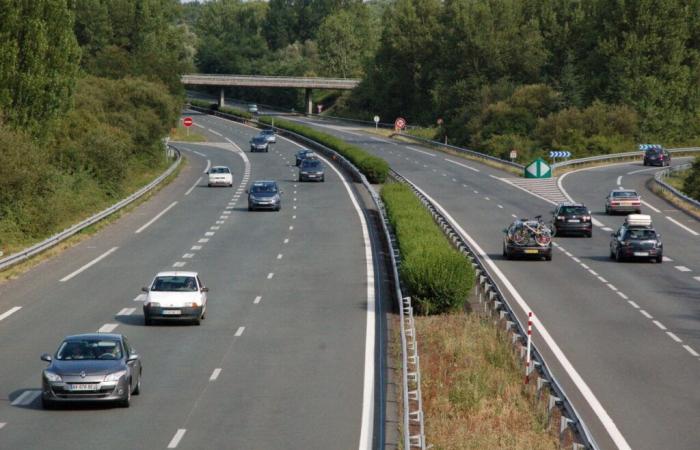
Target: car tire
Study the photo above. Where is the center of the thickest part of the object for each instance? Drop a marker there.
(147, 321)
(126, 402)
(645, 162)
(659, 259)
(278, 208)
(618, 256)
(612, 254)
(589, 234)
(197, 321)
(137, 389)
(607, 210)
(323, 179)
(250, 208)
(639, 211)
(301, 180)
(47, 404)
(548, 257)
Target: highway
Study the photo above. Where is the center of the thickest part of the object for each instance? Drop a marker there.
(285, 358)
(628, 334)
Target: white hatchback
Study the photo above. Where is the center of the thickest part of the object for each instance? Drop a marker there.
(220, 176)
(175, 296)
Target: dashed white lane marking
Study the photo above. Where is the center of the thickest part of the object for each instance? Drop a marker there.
(500, 206)
(597, 222)
(239, 331)
(454, 180)
(667, 259)
(203, 241)
(444, 174)
(279, 256)
(660, 325)
(257, 299)
(607, 229)
(179, 264)
(487, 199)
(295, 192)
(140, 298)
(177, 438)
(421, 151)
(158, 216)
(462, 165)
(223, 217)
(379, 140)
(646, 314)
(188, 256)
(693, 232)
(493, 176)
(195, 151)
(2, 425)
(196, 183)
(612, 287)
(656, 210)
(209, 233)
(619, 180)
(215, 374)
(220, 222)
(9, 312)
(295, 199)
(286, 240)
(696, 278)
(674, 337)
(196, 247)
(634, 305)
(295, 206)
(294, 217)
(475, 191)
(126, 312)
(26, 398)
(215, 132)
(270, 275)
(215, 227)
(291, 227)
(682, 269)
(513, 215)
(623, 295)
(225, 212)
(687, 347)
(90, 264)
(107, 328)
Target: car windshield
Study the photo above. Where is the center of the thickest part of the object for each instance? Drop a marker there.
(268, 188)
(311, 164)
(571, 210)
(219, 170)
(624, 194)
(84, 349)
(653, 151)
(267, 132)
(259, 140)
(634, 234)
(174, 284)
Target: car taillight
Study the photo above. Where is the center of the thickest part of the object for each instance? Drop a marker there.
(636, 202)
(614, 203)
(586, 218)
(561, 217)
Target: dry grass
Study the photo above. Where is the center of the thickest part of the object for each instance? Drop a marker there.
(472, 388)
(180, 134)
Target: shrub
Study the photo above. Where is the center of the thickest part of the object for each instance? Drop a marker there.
(691, 185)
(437, 276)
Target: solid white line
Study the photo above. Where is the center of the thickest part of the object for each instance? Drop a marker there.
(575, 259)
(674, 337)
(215, 132)
(176, 439)
(607, 229)
(462, 165)
(158, 216)
(9, 312)
(622, 294)
(634, 305)
(239, 331)
(379, 140)
(693, 232)
(126, 311)
(279, 256)
(585, 266)
(682, 269)
(195, 151)
(215, 374)
(690, 350)
(270, 275)
(108, 328)
(90, 264)
(612, 287)
(659, 324)
(597, 222)
(646, 314)
(196, 183)
(585, 390)
(420, 151)
(602, 280)
(650, 207)
(257, 299)
(26, 398)
(208, 166)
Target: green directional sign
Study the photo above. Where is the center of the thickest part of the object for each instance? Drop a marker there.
(538, 169)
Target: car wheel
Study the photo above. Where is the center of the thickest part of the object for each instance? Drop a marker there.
(147, 321)
(47, 404)
(301, 179)
(607, 210)
(612, 254)
(639, 211)
(278, 208)
(323, 179)
(548, 257)
(137, 389)
(618, 256)
(508, 254)
(126, 402)
(645, 162)
(250, 208)
(197, 321)
(208, 184)
(589, 234)
(659, 259)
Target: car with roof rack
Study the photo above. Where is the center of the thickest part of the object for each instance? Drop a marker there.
(572, 218)
(528, 238)
(636, 239)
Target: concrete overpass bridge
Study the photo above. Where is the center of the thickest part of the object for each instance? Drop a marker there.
(306, 83)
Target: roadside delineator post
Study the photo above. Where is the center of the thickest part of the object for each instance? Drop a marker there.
(528, 361)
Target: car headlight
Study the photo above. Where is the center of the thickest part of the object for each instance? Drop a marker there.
(115, 376)
(52, 376)
(154, 304)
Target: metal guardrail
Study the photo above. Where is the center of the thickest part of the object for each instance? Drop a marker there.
(27, 253)
(413, 423)
(618, 157)
(572, 431)
(680, 196)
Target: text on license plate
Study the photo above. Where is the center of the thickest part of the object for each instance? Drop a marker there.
(574, 221)
(531, 251)
(641, 253)
(171, 312)
(83, 387)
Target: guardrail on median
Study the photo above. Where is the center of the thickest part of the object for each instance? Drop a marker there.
(412, 405)
(27, 253)
(618, 157)
(691, 205)
(572, 432)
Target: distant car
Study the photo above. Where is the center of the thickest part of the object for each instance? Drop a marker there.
(259, 144)
(220, 176)
(253, 108)
(303, 154)
(312, 169)
(623, 200)
(528, 238)
(269, 135)
(636, 239)
(264, 195)
(175, 296)
(96, 367)
(657, 156)
(571, 218)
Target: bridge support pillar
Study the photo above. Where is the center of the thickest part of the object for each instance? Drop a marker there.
(309, 103)
(221, 98)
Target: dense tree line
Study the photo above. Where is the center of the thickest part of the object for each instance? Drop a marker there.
(87, 90)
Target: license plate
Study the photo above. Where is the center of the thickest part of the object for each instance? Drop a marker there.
(641, 253)
(626, 203)
(171, 312)
(531, 251)
(574, 221)
(83, 387)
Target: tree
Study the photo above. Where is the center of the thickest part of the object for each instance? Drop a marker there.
(346, 41)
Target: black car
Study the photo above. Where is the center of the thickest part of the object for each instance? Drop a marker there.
(312, 169)
(264, 195)
(636, 239)
(259, 144)
(96, 367)
(572, 218)
(528, 238)
(657, 156)
(303, 154)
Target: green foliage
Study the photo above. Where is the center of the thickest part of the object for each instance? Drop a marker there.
(436, 275)
(346, 42)
(374, 168)
(691, 185)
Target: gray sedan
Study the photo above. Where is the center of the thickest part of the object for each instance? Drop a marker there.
(623, 200)
(93, 367)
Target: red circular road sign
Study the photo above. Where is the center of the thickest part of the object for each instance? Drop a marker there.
(187, 121)
(400, 123)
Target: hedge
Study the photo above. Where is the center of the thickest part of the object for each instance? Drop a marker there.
(436, 275)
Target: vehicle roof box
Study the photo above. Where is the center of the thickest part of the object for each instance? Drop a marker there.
(638, 220)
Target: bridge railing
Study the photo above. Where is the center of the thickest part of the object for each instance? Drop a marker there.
(269, 81)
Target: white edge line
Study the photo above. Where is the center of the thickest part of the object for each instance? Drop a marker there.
(88, 265)
(691, 231)
(687, 347)
(208, 166)
(158, 216)
(582, 386)
(463, 165)
(176, 439)
(196, 183)
(648, 205)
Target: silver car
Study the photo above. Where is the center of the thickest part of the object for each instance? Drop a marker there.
(269, 135)
(96, 367)
(623, 200)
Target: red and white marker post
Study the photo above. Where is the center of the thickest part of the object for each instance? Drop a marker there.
(528, 360)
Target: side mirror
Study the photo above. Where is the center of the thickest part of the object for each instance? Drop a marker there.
(505, 230)
(246, 191)
(132, 357)
(613, 234)
(205, 289)
(144, 289)
(46, 357)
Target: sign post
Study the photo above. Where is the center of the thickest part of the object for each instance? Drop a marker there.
(376, 122)
(513, 155)
(320, 108)
(187, 122)
(538, 169)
